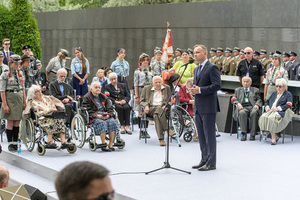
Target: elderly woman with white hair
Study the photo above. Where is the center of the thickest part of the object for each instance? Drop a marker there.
(101, 115)
(44, 105)
(278, 111)
(120, 97)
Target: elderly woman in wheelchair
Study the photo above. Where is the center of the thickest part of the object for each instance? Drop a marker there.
(101, 115)
(46, 110)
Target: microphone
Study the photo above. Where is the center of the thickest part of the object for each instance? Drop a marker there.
(190, 62)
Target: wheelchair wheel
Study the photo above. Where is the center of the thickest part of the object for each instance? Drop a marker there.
(187, 137)
(177, 122)
(121, 143)
(78, 130)
(92, 143)
(72, 149)
(30, 134)
(40, 149)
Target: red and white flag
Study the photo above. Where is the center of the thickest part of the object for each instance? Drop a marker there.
(167, 49)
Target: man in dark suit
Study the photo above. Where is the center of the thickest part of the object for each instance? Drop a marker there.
(207, 82)
(154, 98)
(64, 92)
(248, 101)
(7, 53)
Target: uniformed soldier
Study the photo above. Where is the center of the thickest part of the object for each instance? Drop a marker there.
(263, 59)
(270, 58)
(242, 56)
(285, 60)
(155, 49)
(27, 71)
(294, 67)
(13, 99)
(236, 54)
(229, 65)
(191, 53)
(157, 64)
(55, 64)
(178, 53)
(142, 77)
(213, 56)
(221, 58)
(256, 55)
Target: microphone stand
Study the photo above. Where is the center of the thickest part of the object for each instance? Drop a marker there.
(167, 110)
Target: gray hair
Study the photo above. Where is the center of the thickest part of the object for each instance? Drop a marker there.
(249, 49)
(31, 92)
(112, 75)
(281, 82)
(248, 78)
(94, 83)
(189, 80)
(155, 77)
(62, 70)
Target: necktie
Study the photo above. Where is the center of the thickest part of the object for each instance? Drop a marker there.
(199, 71)
(61, 84)
(17, 79)
(246, 90)
(7, 56)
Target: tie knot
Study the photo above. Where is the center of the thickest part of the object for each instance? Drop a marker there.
(60, 83)
(246, 89)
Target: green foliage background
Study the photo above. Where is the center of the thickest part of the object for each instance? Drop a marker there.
(21, 27)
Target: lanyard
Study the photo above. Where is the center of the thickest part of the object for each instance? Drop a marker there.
(248, 67)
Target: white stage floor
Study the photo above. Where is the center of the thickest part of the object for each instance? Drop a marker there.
(245, 170)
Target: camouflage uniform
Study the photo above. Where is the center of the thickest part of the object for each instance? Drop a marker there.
(157, 67)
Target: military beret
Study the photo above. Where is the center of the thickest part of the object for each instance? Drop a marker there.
(65, 52)
(236, 49)
(144, 55)
(286, 54)
(213, 50)
(256, 53)
(1, 54)
(293, 53)
(219, 49)
(178, 50)
(242, 52)
(25, 57)
(278, 52)
(15, 58)
(228, 50)
(38, 62)
(157, 51)
(26, 46)
(276, 55)
(262, 51)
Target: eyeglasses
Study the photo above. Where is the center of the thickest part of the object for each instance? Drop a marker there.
(247, 52)
(105, 196)
(7, 44)
(279, 86)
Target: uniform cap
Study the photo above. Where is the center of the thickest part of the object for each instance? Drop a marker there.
(15, 58)
(26, 46)
(38, 62)
(157, 51)
(213, 50)
(191, 51)
(286, 54)
(263, 51)
(256, 53)
(144, 55)
(157, 48)
(178, 50)
(219, 49)
(64, 52)
(293, 53)
(276, 55)
(25, 57)
(228, 50)
(242, 52)
(278, 52)
(236, 49)
(271, 53)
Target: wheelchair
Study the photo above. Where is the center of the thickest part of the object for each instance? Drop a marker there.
(80, 125)
(34, 133)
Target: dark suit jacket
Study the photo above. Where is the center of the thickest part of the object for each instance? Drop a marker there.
(120, 94)
(5, 59)
(55, 91)
(284, 102)
(147, 95)
(254, 96)
(209, 82)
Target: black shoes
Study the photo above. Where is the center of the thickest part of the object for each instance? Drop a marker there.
(12, 148)
(144, 134)
(252, 138)
(201, 164)
(244, 137)
(207, 168)
(273, 143)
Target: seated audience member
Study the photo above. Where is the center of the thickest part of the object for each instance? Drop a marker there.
(101, 115)
(99, 77)
(44, 105)
(278, 111)
(120, 97)
(107, 81)
(64, 92)
(4, 177)
(248, 101)
(91, 182)
(40, 78)
(186, 97)
(154, 99)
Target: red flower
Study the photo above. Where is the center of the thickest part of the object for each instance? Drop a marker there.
(162, 93)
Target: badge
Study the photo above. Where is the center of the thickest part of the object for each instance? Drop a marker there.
(246, 100)
(247, 74)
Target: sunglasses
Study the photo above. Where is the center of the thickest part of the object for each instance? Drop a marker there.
(247, 52)
(105, 196)
(7, 44)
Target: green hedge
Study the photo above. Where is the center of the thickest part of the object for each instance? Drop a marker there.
(21, 27)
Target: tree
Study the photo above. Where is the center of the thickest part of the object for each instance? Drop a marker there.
(25, 28)
(88, 3)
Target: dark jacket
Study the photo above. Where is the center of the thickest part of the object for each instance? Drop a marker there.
(117, 95)
(284, 102)
(89, 103)
(55, 90)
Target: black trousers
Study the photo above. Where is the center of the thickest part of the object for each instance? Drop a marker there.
(123, 114)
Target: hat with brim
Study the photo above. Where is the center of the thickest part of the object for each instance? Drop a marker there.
(213, 50)
(25, 57)
(262, 51)
(228, 50)
(64, 52)
(293, 53)
(15, 58)
(236, 49)
(286, 54)
(219, 49)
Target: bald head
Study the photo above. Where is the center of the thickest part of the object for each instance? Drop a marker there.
(4, 177)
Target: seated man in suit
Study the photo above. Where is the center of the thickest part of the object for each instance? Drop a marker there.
(64, 92)
(154, 99)
(248, 101)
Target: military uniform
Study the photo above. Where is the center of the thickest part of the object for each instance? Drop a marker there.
(213, 59)
(157, 67)
(229, 64)
(264, 61)
(220, 59)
